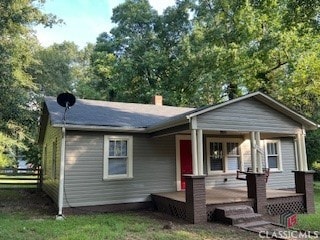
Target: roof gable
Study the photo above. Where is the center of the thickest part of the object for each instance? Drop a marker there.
(263, 98)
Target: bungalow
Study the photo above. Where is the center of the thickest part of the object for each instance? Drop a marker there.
(112, 155)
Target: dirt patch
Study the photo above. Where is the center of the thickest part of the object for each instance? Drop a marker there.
(26, 201)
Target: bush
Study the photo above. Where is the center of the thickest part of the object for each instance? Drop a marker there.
(316, 167)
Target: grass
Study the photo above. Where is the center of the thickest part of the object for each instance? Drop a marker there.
(311, 221)
(26, 214)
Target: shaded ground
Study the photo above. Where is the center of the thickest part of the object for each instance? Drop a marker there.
(29, 201)
(35, 206)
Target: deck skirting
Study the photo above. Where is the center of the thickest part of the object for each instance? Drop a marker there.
(278, 201)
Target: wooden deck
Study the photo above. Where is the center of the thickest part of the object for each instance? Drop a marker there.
(278, 201)
(228, 195)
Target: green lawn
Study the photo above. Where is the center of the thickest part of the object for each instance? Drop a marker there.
(311, 221)
(29, 215)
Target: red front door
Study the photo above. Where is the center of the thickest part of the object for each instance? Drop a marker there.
(185, 160)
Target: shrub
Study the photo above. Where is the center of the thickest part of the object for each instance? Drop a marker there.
(316, 167)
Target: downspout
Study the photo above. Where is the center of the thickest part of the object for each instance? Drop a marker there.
(65, 100)
(61, 178)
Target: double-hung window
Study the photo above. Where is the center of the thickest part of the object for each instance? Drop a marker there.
(223, 155)
(117, 157)
(273, 154)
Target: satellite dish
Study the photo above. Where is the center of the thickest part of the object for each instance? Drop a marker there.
(66, 99)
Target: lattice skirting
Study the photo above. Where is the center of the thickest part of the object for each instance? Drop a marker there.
(170, 206)
(278, 206)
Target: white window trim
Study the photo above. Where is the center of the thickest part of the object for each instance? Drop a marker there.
(278, 142)
(224, 142)
(129, 173)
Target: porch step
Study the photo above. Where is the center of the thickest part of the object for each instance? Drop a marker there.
(243, 218)
(236, 215)
(253, 224)
(233, 210)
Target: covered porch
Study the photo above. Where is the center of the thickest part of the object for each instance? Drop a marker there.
(253, 131)
(277, 201)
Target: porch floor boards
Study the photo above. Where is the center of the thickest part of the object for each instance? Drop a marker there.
(227, 195)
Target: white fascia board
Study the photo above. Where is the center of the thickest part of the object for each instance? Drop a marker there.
(287, 111)
(100, 128)
(219, 105)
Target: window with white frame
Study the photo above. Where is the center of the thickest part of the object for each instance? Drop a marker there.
(117, 157)
(223, 155)
(273, 154)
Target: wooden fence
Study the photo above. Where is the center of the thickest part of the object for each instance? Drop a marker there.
(20, 178)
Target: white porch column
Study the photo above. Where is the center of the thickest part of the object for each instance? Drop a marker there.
(258, 152)
(303, 150)
(296, 153)
(298, 137)
(194, 152)
(253, 152)
(200, 151)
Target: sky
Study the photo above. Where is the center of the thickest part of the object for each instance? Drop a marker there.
(84, 19)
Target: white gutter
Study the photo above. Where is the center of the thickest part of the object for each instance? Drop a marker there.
(99, 128)
(61, 180)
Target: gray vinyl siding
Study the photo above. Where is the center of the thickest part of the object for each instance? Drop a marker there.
(153, 170)
(247, 115)
(277, 180)
(284, 179)
(51, 171)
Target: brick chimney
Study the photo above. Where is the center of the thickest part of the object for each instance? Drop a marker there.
(157, 100)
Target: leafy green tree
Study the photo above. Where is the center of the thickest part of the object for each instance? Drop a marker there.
(203, 52)
(140, 57)
(17, 45)
(53, 69)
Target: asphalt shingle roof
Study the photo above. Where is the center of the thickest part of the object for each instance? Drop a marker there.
(113, 114)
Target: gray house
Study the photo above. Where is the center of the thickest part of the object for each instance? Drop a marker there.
(110, 155)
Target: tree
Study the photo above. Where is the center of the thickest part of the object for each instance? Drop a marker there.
(17, 45)
(203, 52)
(53, 69)
(139, 57)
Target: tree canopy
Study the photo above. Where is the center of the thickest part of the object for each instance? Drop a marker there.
(195, 53)
(201, 52)
(17, 45)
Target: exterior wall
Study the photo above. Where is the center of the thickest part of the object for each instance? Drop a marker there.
(284, 179)
(276, 180)
(153, 170)
(51, 170)
(247, 115)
